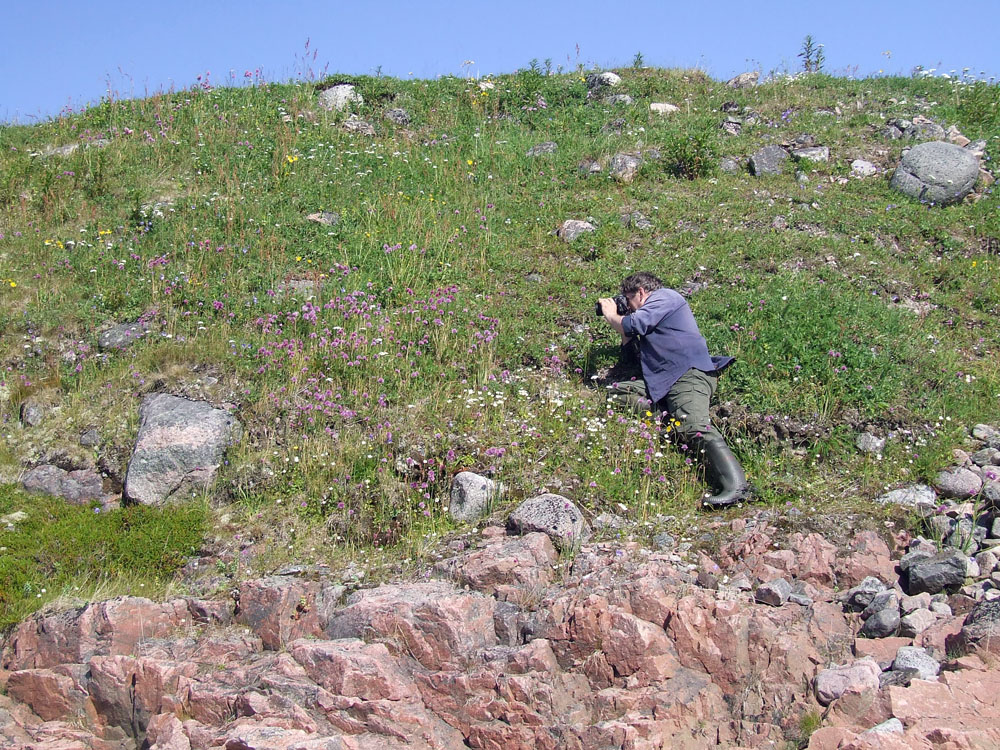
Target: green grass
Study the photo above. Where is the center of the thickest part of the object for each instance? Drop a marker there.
(441, 325)
(59, 551)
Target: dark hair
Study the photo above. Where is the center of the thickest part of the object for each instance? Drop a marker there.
(642, 280)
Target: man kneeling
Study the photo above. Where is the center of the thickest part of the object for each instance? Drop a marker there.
(679, 375)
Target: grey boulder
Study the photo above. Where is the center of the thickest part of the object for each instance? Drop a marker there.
(937, 172)
(933, 574)
(78, 487)
(339, 97)
(768, 160)
(178, 449)
(551, 514)
(471, 495)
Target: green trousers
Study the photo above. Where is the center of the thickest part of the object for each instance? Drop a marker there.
(684, 408)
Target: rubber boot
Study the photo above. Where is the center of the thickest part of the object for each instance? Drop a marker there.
(723, 471)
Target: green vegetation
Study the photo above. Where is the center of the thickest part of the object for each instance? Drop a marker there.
(52, 548)
(441, 326)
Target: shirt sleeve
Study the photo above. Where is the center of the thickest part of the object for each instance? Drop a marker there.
(647, 317)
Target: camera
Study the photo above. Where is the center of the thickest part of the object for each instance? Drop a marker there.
(620, 303)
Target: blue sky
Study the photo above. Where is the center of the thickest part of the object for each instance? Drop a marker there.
(59, 54)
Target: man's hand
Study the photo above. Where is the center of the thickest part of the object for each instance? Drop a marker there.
(610, 311)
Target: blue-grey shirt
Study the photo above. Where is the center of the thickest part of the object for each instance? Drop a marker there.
(670, 342)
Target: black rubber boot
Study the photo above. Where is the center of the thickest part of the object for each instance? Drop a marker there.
(724, 472)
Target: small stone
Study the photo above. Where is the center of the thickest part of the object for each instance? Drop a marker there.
(831, 683)
(861, 168)
(818, 154)
(90, 438)
(917, 495)
(732, 125)
(882, 624)
(866, 442)
(916, 622)
(958, 483)
(769, 160)
(779, 223)
(662, 108)
(398, 116)
(554, 515)
(339, 97)
(890, 726)
(326, 218)
(986, 457)
(911, 657)
(987, 561)
(548, 147)
(775, 593)
(597, 81)
(991, 498)
(861, 595)
(573, 228)
(801, 599)
(589, 166)
(664, 541)
(934, 574)
(354, 124)
(912, 603)
(744, 80)
(121, 336)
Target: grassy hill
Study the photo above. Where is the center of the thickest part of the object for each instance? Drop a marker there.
(440, 324)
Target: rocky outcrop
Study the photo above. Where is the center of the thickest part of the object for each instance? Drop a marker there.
(621, 647)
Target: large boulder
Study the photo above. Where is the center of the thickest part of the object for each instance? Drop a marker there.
(178, 449)
(937, 172)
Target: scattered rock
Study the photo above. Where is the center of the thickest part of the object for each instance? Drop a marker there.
(178, 448)
(866, 442)
(914, 496)
(774, 593)
(624, 167)
(936, 172)
(471, 495)
(882, 624)
(662, 108)
(911, 657)
(619, 100)
(959, 483)
(732, 125)
(78, 487)
(598, 81)
(340, 97)
(944, 570)
(327, 218)
(589, 166)
(636, 220)
(398, 116)
(744, 80)
(769, 160)
(573, 228)
(121, 336)
(10, 521)
(818, 154)
(554, 515)
(981, 628)
(861, 168)
(354, 124)
(860, 676)
(548, 147)
(90, 438)
(916, 622)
